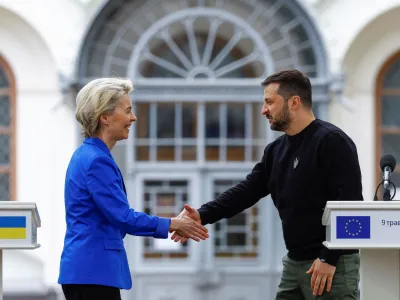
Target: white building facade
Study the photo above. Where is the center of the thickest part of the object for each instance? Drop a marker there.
(196, 66)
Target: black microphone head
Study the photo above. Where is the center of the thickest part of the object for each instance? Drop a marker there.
(388, 160)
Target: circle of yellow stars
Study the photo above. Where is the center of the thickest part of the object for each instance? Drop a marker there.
(351, 221)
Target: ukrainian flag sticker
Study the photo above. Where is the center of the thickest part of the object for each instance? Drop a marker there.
(12, 227)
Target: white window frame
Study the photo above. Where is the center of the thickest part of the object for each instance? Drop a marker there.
(258, 264)
(135, 244)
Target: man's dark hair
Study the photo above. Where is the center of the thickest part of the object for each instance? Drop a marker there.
(292, 82)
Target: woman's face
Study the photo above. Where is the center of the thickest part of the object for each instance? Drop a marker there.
(121, 119)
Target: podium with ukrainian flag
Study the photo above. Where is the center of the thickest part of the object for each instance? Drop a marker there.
(18, 229)
(374, 228)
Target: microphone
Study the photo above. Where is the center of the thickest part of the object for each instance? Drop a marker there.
(388, 164)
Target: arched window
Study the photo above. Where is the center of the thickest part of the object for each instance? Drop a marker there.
(197, 68)
(230, 129)
(7, 132)
(388, 115)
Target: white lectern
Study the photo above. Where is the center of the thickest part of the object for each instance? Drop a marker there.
(374, 228)
(18, 229)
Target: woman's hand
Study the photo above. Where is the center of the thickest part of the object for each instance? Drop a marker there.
(189, 228)
(191, 213)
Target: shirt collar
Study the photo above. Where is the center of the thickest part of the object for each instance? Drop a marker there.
(99, 143)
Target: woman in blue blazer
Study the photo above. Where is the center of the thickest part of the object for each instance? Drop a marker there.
(93, 263)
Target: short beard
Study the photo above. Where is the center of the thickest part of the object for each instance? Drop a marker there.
(283, 121)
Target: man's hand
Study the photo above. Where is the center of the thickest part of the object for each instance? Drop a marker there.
(188, 228)
(191, 213)
(322, 273)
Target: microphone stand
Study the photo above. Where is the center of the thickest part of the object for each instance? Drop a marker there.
(386, 193)
(386, 184)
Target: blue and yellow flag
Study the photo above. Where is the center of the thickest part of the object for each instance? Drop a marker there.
(12, 227)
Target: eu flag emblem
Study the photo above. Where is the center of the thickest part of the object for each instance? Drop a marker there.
(353, 227)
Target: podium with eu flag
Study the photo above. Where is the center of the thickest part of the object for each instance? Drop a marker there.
(18, 229)
(373, 227)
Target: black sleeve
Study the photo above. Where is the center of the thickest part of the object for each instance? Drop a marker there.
(343, 176)
(238, 198)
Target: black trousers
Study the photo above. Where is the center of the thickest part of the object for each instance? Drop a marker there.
(90, 292)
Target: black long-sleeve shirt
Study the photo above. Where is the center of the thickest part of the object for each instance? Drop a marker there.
(301, 173)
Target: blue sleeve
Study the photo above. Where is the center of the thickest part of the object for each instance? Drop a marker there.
(105, 189)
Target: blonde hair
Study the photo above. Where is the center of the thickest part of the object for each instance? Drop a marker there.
(98, 97)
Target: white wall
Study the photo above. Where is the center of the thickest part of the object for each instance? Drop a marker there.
(341, 21)
(45, 131)
(359, 38)
(365, 57)
(60, 24)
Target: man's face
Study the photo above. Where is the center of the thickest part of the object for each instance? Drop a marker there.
(275, 108)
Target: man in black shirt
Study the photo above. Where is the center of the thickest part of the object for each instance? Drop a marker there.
(312, 163)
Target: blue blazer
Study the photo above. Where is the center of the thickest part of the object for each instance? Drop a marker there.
(98, 217)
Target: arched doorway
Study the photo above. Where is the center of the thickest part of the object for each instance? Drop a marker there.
(387, 116)
(7, 133)
(197, 68)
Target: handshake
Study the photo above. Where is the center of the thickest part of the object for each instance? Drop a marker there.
(188, 225)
